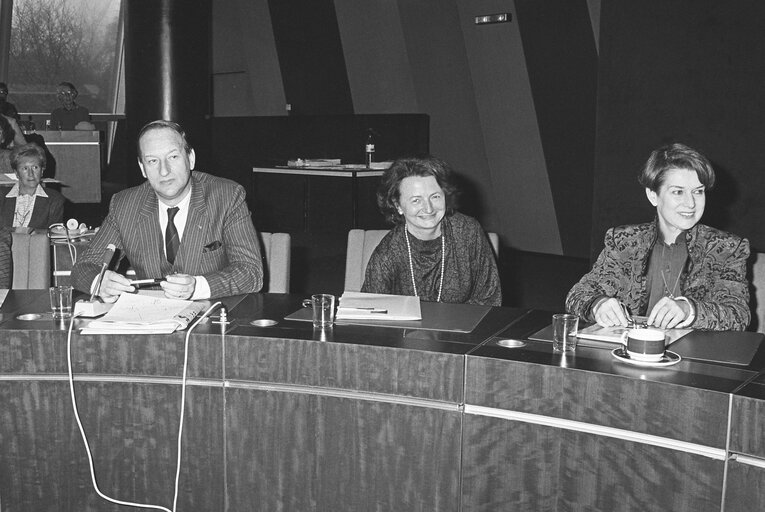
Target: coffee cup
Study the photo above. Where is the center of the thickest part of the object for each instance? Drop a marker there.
(644, 344)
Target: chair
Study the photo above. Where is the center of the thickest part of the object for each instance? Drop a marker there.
(361, 245)
(31, 261)
(276, 259)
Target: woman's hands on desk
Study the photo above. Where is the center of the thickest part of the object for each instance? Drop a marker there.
(609, 312)
(666, 314)
(176, 286)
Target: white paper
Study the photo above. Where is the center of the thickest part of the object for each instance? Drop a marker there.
(376, 306)
(144, 313)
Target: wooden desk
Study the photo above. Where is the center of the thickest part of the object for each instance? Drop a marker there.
(366, 418)
(78, 163)
(344, 172)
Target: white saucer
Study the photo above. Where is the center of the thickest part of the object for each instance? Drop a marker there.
(668, 359)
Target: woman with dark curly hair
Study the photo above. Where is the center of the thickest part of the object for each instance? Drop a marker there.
(674, 270)
(433, 252)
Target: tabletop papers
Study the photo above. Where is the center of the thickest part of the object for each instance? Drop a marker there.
(614, 334)
(145, 314)
(376, 306)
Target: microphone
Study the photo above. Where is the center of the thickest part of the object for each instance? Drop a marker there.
(107, 258)
(93, 307)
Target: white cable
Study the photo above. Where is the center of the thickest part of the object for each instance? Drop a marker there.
(180, 425)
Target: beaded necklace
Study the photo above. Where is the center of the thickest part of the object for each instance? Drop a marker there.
(411, 265)
(671, 293)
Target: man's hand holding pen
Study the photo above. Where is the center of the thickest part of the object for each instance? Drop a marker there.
(175, 286)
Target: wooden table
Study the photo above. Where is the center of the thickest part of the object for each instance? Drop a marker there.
(370, 418)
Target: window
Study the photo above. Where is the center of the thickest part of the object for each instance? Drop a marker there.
(78, 41)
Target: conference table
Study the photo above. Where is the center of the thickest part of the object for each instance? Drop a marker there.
(482, 415)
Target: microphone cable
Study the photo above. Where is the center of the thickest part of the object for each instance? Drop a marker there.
(180, 425)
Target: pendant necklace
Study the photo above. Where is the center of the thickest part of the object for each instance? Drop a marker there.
(411, 265)
(671, 293)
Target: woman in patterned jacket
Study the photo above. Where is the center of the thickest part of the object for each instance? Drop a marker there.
(675, 271)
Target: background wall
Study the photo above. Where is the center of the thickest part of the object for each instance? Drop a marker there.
(689, 71)
(511, 106)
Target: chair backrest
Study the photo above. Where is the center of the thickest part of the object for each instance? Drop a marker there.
(361, 245)
(758, 283)
(31, 261)
(276, 257)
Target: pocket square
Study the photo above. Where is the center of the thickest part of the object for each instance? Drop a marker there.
(212, 246)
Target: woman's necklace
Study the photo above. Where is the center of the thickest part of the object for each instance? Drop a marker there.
(411, 265)
(670, 293)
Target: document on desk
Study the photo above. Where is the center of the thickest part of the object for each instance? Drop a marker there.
(376, 306)
(145, 314)
(614, 334)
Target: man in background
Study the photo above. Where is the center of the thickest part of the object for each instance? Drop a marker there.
(69, 114)
(7, 108)
(191, 229)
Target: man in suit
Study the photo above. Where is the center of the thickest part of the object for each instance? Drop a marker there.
(190, 228)
(28, 204)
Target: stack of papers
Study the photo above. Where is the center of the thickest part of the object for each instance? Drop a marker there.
(614, 334)
(145, 314)
(375, 306)
(314, 162)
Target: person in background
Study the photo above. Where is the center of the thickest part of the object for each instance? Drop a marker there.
(190, 228)
(69, 114)
(674, 270)
(7, 108)
(10, 136)
(433, 252)
(28, 204)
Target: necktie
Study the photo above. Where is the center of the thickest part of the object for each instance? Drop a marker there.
(172, 242)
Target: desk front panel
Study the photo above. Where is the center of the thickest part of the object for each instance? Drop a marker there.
(371, 418)
(544, 431)
(77, 157)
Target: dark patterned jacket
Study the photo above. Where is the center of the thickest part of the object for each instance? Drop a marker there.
(713, 280)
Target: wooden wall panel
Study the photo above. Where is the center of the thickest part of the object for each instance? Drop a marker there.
(509, 465)
(745, 490)
(748, 426)
(132, 432)
(677, 412)
(417, 374)
(605, 474)
(307, 452)
(35, 352)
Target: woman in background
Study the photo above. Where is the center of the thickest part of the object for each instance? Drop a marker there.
(433, 252)
(674, 270)
(28, 204)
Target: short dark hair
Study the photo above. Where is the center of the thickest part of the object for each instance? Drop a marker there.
(7, 133)
(26, 151)
(160, 124)
(71, 86)
(389, 192)
(675, 156)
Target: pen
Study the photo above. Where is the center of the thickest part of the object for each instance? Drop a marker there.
(368, 310)
(138, 282)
